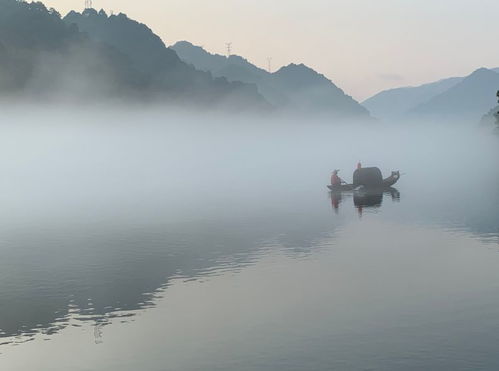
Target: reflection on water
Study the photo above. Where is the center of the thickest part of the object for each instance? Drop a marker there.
(363, 198)
(98, 275)
(380, 296)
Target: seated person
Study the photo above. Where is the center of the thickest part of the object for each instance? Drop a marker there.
(335, 179)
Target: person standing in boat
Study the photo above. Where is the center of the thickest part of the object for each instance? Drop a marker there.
(335, 179)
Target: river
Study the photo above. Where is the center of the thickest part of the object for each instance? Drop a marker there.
(146, 240)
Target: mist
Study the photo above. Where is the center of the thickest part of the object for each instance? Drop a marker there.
(103, 208)
(71, 162)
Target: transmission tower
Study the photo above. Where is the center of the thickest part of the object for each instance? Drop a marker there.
(88, 4)
(229, 49)
(269, 64)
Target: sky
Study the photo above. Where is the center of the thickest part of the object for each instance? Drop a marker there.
(363, 46)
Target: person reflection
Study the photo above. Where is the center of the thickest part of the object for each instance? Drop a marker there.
(335, 201)
(359, 210)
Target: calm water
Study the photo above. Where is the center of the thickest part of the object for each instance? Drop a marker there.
(146, 241)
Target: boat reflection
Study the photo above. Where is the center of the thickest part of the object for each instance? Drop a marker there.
(363, 199)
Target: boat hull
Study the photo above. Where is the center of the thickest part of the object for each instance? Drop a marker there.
(386, 184)
(341, 188)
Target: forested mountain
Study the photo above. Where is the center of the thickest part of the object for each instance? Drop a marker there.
(147, 51)
(468, 99)
(42, 56)
(395, 103)
(294, 88)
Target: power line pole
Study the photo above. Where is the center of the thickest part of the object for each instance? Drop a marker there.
(88, 4)
(269, 64)
(229, 49)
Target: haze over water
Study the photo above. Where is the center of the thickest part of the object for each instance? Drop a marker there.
(149, 240)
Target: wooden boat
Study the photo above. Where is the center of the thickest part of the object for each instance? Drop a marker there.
(380, 184)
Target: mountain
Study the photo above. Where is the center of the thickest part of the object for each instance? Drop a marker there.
(146, 50)
(234, 68)
(468, 99)
(395, 103)
(453, 98)
(308, 91)
(44, 57)
(294, 88)
(41, 56)
(160, 66)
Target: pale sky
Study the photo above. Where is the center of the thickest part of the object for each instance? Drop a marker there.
(364, 46)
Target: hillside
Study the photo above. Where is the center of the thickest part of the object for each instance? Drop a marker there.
(294, 88)
(44, 57)
(308, 91)
(162, 68)
(146, 50)
(395, 103)
(468, 99)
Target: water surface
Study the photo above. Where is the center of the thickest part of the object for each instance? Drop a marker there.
(149, 241)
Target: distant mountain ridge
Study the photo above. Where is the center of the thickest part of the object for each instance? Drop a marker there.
(453, 98)
(294, 88)
(395, 103)
(468, 99)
